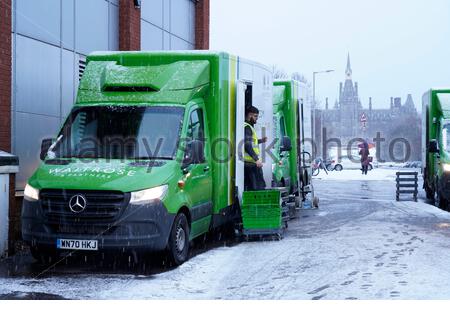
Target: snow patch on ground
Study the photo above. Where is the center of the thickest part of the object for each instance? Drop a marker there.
(409, 209)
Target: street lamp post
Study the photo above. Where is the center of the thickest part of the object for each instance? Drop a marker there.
(314, 101)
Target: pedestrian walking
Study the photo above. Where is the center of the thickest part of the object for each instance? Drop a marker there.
(365, 159)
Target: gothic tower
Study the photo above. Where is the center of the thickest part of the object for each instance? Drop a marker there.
(349, 104)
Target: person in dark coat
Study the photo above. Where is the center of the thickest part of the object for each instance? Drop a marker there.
(253, 173)
(364, 153)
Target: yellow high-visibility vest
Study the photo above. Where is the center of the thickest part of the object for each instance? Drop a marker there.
(247, 157)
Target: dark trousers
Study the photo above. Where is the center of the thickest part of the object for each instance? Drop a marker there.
(253, 177)
(364, 168)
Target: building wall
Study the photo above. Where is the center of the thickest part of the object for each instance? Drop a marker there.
(168, 25)
(49, 39)
(202, 14)
(129, 26)
(390, 124)
(5, 75)
(349, 120)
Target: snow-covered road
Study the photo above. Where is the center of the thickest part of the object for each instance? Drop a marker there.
(360, 244)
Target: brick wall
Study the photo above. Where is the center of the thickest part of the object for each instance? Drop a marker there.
(202, 25)
(5, 112)
(129, 26)
(5, 75)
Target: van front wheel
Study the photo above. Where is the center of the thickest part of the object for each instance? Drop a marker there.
(179, 240)
(429, 193)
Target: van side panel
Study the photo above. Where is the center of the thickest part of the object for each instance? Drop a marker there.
(292, 109)
(218, 119)
(221, 113)
(233, 71)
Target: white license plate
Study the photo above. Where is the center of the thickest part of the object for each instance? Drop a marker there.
(75, 244)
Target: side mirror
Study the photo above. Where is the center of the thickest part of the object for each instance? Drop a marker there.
(194, 153)
(433, 146)
(286, 144)
(45, 145)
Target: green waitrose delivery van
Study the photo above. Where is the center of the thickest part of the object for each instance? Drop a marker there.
(292, 116)
(436, 146)
(150, 156)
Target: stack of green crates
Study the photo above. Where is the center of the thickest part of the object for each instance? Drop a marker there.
(261, 211)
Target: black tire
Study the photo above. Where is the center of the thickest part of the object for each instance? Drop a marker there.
(439, 201)
(429, 193)
(370, 167)
(44, 255)
(315, 172)
(338, 167)
(179, 240)
(330, 167)
(443, 203)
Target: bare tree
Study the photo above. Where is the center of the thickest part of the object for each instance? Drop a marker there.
(300, 77)
(279, 73)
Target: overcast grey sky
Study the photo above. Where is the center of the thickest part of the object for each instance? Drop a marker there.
(396, 47)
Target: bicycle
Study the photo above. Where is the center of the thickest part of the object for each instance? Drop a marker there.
(317, 165)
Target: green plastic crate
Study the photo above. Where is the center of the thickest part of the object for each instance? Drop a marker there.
(272, 197)
(261, 210)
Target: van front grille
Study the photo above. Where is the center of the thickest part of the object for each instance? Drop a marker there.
(100, 205)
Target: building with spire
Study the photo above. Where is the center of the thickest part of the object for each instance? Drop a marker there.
(349, 119)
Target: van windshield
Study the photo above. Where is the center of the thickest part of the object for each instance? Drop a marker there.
(120, 132)
(446, 136)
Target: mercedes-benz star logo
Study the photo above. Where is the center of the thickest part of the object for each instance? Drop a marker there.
(77, 203)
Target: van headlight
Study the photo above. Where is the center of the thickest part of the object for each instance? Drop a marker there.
(31, 193)
(446, 167)
(148, 194)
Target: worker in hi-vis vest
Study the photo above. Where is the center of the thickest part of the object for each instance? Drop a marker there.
(253, 174)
